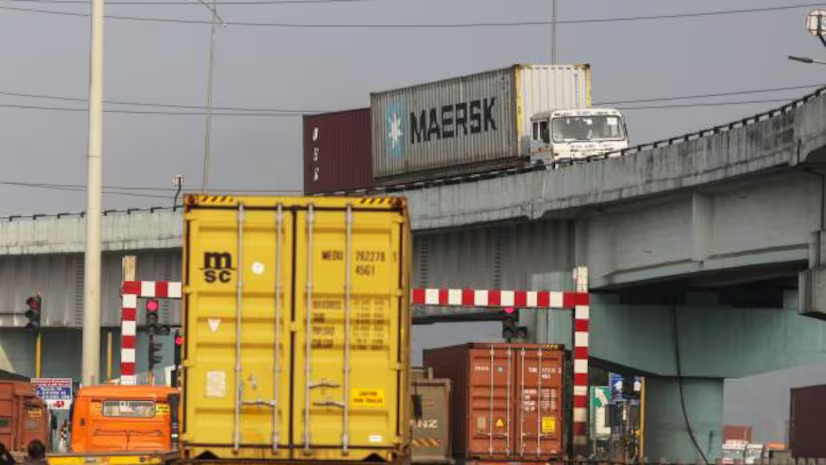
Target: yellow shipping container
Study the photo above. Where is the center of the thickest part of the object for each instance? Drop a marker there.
(297, 325)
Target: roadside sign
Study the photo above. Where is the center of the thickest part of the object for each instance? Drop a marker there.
(600, 398)
(55, 392)
(615, 380)
(813, 20)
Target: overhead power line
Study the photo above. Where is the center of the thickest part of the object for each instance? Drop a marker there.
(427, 26)
(716, 94)
(706, 104)
(153, 104)
(148, 112)
(280, 112)
(117, 190)
(178, 3)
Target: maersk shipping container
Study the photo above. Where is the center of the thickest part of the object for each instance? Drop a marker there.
(807, 422)
(337, 152)
(297, 323)
(507, 401)
(468, 123)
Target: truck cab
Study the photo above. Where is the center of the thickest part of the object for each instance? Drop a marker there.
(567, 135)
(113, 418)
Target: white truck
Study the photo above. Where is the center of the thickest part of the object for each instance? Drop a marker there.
(568, 135)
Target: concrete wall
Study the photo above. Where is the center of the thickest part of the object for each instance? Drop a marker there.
(61, 352)
(759, 221)
(59, 278)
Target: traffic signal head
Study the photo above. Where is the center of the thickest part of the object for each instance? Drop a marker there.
(510, 325)
(33, 312)
(152, 325)
(154, 353)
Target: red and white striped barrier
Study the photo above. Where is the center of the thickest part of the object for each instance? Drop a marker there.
(576, 301)
(130, 292)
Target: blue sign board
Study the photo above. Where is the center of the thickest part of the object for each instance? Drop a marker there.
(56, 392)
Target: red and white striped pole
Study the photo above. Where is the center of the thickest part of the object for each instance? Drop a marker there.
(130, 292)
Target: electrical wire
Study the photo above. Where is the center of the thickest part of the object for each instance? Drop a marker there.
(171, 190)
(160, 105)
(178, 3)
(680, 384)
(716, 94)
(262, 114)
(306, 111)
(148, 112)
(705, 104)
(426, 26)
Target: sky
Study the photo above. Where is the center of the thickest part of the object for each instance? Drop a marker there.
(322, 68)
(325, 68)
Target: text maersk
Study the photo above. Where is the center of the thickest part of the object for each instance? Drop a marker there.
(449, 121)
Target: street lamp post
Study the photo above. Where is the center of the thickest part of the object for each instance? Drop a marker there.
(90, 369)
(807, 60)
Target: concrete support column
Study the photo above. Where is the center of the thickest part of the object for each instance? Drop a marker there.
(666, 435)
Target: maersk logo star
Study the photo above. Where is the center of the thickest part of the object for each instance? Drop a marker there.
(394, 116)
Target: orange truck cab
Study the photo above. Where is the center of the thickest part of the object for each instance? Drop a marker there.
(114, 418)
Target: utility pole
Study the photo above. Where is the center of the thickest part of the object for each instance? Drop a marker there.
(208, 130)
(94, 193)
(553, 32)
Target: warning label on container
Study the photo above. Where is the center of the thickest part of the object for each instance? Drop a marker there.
(549, 425)
(500, 423)
(162, 409)
(367, 398)
(216, 384)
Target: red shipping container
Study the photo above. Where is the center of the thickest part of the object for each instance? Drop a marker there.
(736, 433)
(502, 409)
(807, 421)
(337, 151)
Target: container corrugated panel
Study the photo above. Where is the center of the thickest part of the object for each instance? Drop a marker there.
(337, 153)
(296, 313)
(807, 421)
(504, 409)
(430, 442)
(466, 123)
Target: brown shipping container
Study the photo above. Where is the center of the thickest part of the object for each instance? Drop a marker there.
(807, 422)
(736, 432)
(430, 442)
(23, 416)
(502, 408)
(337, 154)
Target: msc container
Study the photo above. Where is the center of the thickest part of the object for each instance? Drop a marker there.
(23, 416)
(337, 152)
(807, 421)
(430, 442)
(468, 123)
(297, 323)
(503, 410)
(737, 433)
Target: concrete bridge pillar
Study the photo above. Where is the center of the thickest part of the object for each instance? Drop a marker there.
(666, 433)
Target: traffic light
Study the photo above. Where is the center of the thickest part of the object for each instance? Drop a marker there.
(33, 312)
(510, 325)
(154, 353)
(152, 325)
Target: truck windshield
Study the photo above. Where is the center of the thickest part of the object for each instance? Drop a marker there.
(129, 408)
(574, 128)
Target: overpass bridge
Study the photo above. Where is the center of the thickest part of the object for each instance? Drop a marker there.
(712, 240)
